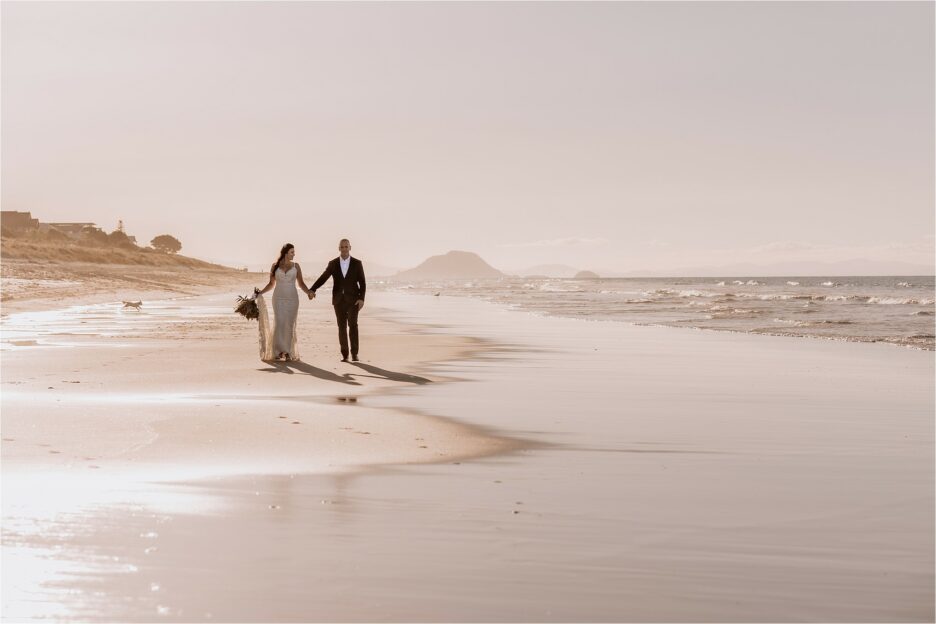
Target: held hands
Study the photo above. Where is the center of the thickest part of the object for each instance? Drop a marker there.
(359, 303)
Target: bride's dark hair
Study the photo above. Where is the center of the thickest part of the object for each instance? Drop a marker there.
(283, 251)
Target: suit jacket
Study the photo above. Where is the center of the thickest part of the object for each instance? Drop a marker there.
(350, 288)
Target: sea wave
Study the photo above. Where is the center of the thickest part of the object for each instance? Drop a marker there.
(788, 297)
(865, 307)
(681, 293)
(560, 287)
(823, 323)
(900, 301)
(719, 312)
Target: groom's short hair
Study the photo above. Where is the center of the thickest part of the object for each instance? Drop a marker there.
(344, 240)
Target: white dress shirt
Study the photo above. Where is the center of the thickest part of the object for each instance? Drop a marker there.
(344, 265)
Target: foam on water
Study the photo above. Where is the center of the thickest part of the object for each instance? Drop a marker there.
(896, 310)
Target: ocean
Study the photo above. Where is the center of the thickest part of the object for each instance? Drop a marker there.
(897, 310)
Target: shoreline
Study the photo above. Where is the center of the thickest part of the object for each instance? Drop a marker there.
(136, 290)
(893, 310)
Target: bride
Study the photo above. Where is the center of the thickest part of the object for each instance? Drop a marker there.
(284, 274)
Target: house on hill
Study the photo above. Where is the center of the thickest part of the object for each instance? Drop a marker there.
(16, 221)
(73, 230)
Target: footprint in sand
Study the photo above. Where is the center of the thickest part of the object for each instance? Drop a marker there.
(296, 422)
(9, 440)
(55, 452)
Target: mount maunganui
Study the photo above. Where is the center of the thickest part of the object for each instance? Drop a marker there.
(453, 265)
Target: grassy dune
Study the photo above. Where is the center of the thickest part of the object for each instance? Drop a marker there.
(39, 249)
(37, 268)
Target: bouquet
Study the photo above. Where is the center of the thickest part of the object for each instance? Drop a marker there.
(247, 306)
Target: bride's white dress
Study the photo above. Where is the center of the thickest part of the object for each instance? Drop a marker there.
(281, 337)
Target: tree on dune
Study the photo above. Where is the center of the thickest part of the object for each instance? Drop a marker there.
(93, 236)
(119, 238)
(166, 244)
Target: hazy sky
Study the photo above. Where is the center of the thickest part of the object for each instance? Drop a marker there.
(604, 135)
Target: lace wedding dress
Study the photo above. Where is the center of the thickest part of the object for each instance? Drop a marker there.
(280, 337)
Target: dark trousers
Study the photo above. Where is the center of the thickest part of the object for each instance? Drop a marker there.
(346, 313)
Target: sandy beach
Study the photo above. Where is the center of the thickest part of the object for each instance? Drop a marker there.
(479, 464)
(648, 334)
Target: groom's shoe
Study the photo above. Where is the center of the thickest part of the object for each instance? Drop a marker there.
(355, 358)
(344, 358)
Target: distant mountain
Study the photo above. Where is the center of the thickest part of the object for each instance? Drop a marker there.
(453, 265)
(587, 275)
(548, 270)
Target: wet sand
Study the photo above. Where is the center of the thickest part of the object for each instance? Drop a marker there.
(573, 471)
(178, 388)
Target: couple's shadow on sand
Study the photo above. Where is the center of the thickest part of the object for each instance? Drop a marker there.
(292, 368)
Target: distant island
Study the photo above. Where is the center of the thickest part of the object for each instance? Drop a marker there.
(587, 275)
(453, 265)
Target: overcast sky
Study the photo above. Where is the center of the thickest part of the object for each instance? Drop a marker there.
(617, 136)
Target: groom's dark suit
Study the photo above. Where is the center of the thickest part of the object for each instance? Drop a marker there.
(346, 291)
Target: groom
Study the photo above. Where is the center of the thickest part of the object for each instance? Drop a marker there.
(348, 287)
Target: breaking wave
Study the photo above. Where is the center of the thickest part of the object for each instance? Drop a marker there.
(824, 323)
(899, 301)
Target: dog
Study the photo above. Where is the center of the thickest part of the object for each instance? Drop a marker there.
(133, 304)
